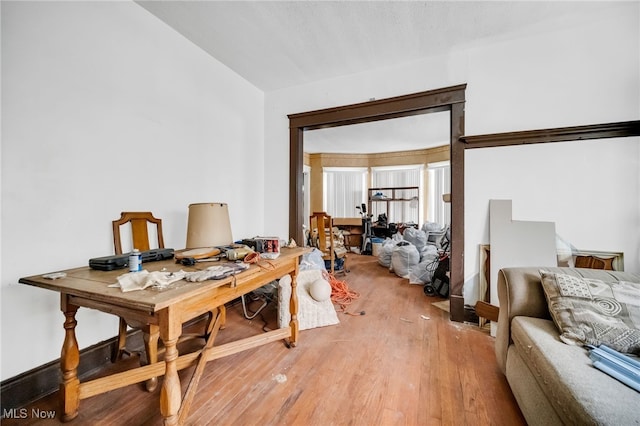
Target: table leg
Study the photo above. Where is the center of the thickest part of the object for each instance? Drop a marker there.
(223, 317)
(170, 394)
(293, 308)
(69, 360)
(212, 316)
(121, 344)
(151, 336)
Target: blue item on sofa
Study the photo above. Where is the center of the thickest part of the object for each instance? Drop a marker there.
(619, 366)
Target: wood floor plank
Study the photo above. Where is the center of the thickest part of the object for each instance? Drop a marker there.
(401, 363)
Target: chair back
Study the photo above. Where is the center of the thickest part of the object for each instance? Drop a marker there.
(321, 231)
(139, 230)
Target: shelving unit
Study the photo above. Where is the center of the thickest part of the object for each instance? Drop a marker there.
(401, 194)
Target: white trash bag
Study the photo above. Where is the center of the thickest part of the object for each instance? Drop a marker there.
(416, 237)
(423, 272)
(312, 260)
(431, 227)
(429, 251)
(384, 257)
(405, 257)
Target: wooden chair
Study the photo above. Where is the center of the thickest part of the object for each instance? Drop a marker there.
(321, 228)
(139, 230)
(140, 222)
(140, 238)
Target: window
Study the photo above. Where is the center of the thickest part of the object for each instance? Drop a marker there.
(344, 189)
(394, 177)
(439, 184)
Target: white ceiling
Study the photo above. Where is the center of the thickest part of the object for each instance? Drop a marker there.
(278, 44)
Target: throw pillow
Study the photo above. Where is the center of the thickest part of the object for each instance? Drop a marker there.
(594, 312)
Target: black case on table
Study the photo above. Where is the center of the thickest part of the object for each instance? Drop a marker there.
(120, 261)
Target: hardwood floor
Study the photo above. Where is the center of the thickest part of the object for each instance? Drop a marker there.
(401, 363)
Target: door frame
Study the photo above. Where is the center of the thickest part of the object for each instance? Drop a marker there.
(450, 99)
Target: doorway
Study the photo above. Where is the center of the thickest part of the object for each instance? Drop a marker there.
(449, 99)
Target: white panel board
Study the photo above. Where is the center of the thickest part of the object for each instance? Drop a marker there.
(517, 243)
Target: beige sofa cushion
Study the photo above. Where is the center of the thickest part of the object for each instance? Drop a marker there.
(578, 392)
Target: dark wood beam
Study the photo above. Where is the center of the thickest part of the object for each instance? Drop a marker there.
(621, 129)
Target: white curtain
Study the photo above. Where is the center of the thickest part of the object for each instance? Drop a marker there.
(439, 184)
(394, 177)
(344, 189)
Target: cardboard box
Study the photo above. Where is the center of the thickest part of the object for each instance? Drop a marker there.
(347, 221)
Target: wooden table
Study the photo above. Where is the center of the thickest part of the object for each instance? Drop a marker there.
(164, 311)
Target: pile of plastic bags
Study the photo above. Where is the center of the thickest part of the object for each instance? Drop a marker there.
(409, 255)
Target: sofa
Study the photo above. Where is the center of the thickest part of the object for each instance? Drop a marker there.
(554, 382)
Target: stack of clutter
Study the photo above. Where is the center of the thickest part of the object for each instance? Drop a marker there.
(414, 254)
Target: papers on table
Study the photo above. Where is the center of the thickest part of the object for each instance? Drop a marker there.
(162, 279)
(143, 279)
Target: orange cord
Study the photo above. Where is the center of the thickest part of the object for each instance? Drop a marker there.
(341, 295)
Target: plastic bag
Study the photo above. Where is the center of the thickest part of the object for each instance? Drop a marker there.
(430, 251)
(384, 257)
(423, 272)
(431, 227)
(416, 237)
(312, 260)
(404, 258)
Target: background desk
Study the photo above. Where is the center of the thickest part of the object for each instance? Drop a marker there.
(352, 229)
(165, 310)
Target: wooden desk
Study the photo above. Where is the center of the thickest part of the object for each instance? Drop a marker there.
(165, 311)
(352, 229)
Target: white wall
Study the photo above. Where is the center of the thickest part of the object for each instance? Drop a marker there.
(590, 189)
(106, 109)
(586, 73)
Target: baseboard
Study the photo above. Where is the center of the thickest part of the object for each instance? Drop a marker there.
(28, 387)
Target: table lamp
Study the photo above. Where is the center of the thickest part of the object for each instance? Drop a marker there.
(208, 225)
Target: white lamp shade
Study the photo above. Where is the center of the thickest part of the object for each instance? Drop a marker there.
(209, 225)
